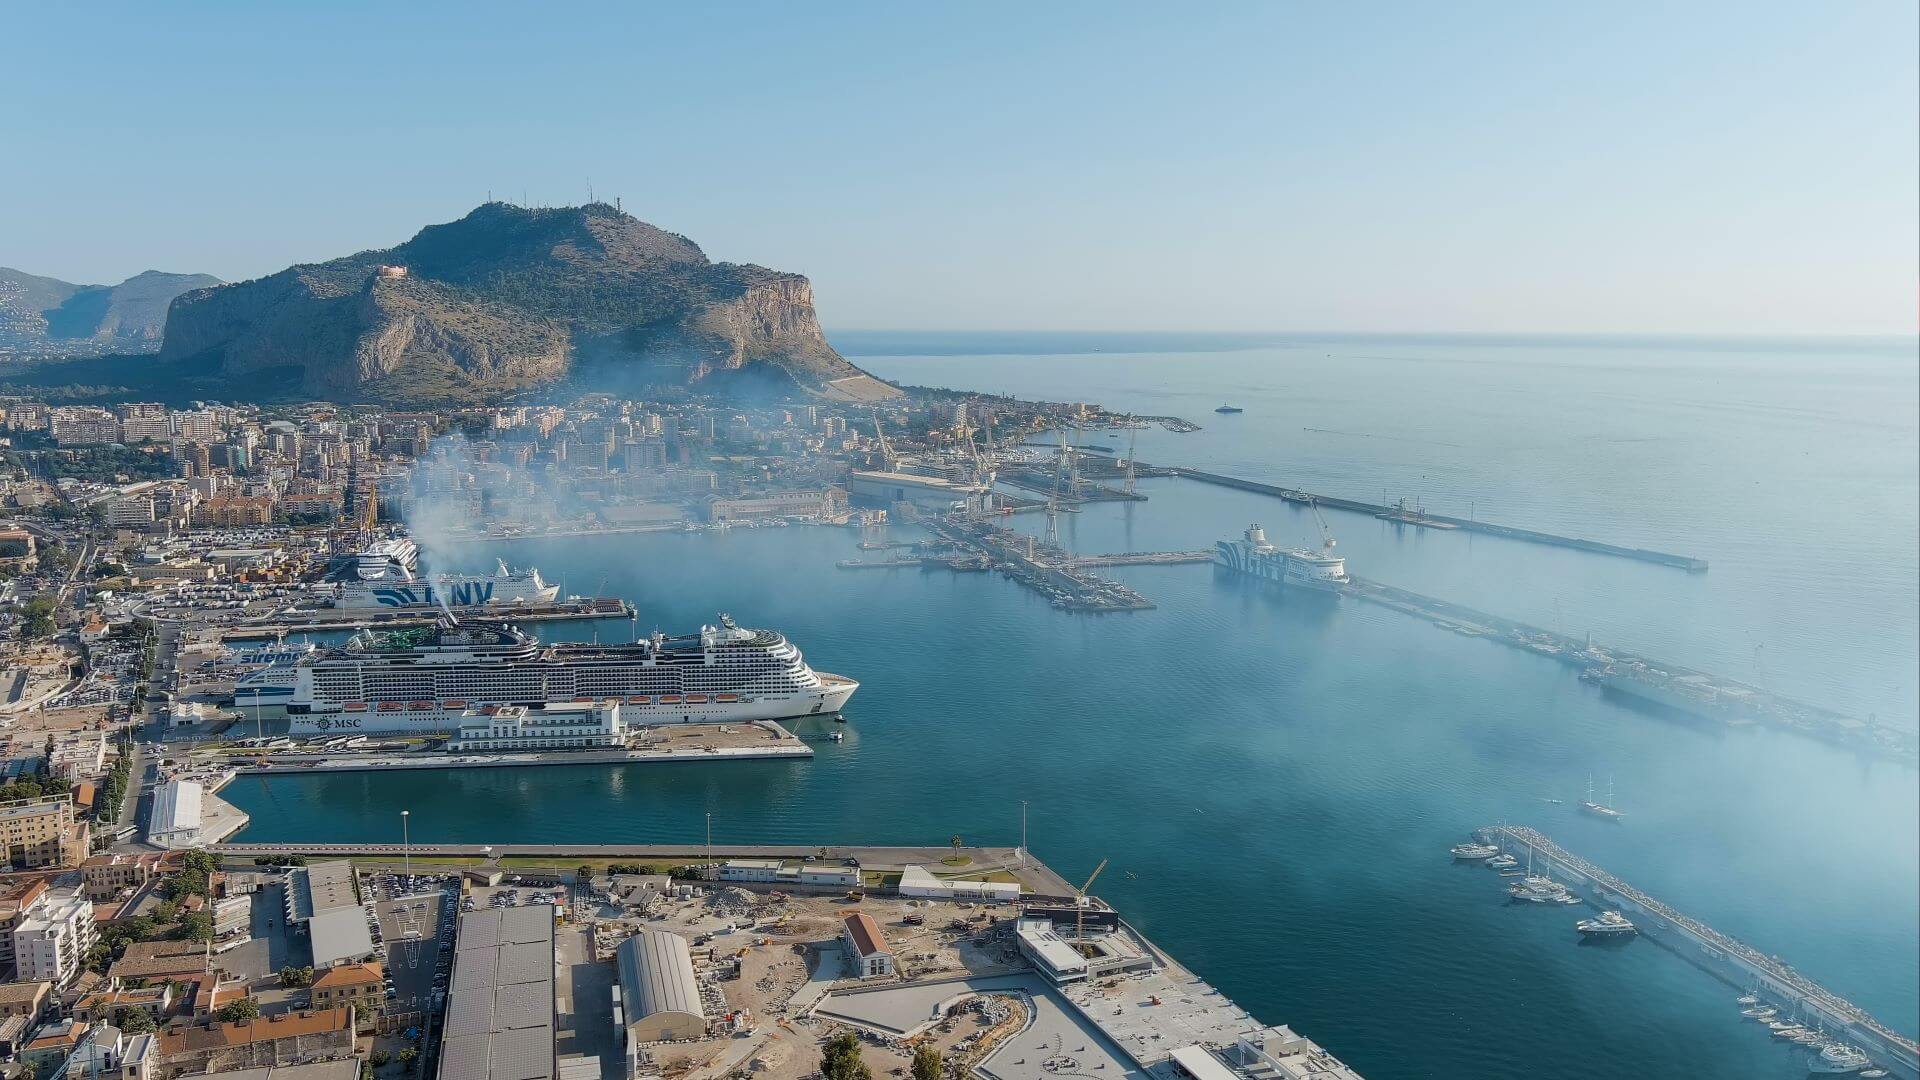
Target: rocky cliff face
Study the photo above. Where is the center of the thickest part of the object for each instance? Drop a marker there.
(508, 298)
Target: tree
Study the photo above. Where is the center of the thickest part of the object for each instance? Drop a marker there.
(379, 1058)
(203, 861)
(195, 927)
(841, 1060)
(409, 1057)
(583, 874)
(136, 1022)
(234, 1012)
(37, 617)
(927, 1062)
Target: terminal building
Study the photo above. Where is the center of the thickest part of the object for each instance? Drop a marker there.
(557, 726)
(788, 874)
(658, 999)
(917, 882)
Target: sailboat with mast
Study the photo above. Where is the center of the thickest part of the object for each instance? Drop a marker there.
(1601, 809)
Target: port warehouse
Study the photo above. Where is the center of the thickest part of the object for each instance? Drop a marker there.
(1737, 964)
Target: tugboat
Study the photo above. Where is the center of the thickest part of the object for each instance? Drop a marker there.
(1608, 924)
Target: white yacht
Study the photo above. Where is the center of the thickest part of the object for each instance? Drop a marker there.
(1472, 852)
(1606, 924)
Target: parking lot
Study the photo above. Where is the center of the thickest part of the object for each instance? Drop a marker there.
(414, 916)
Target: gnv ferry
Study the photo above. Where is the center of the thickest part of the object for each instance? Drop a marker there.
(504, 586)
(1255, 556)
(425, 679)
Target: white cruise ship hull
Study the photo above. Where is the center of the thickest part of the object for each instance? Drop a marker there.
(427, 717)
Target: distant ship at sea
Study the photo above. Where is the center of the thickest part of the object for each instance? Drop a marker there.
(1229, 409)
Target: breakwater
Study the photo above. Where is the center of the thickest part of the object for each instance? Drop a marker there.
(1737, 963)
(1401, 514)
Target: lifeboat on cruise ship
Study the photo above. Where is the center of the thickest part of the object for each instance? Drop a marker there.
(454, 703)
(389, 706)
(355, 706)
(726, 697)
(582, 699)
(419, 706)
(669, 699)
(639, 699)
(696, 699)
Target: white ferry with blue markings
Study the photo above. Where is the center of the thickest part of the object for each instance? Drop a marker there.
(505, 586)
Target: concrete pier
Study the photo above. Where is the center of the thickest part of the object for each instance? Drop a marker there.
(1403, 515)
(1734, 962)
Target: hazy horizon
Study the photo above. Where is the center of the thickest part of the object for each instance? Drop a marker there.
(1711, 169)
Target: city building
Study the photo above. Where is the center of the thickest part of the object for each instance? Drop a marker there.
(270, 1041)
(174, 822)
(557, 726)
(929, 492)
(777, 504)
(355, 985)
(659, 999)
(49, 944)
(1052, 954)
(19, 899)
(788, 873)
(41, 832)
(162, 961)
(339, 936)
(107, 875)
(867, 952)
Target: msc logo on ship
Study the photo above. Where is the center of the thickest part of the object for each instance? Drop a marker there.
(327, 723)
(465, 594)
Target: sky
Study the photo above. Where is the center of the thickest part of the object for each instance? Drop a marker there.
(1708, 167)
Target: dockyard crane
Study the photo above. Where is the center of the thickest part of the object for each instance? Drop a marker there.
(1326, 534)
(886, 451)
(1133, 433)
(1080, 902)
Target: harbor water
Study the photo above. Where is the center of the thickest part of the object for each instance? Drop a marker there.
(1276, 776)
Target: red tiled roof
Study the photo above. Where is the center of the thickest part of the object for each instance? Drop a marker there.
(865, 934)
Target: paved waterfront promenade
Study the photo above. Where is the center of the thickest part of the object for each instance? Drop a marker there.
(982, 860)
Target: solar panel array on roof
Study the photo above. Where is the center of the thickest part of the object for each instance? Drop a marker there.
(499, 1022)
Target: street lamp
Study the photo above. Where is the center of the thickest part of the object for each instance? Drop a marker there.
(406, 845)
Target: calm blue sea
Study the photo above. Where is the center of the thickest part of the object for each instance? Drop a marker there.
(1276, 777)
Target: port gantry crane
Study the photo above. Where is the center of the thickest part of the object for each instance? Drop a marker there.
(1326, 535)
(879, 436)
(1080, 903)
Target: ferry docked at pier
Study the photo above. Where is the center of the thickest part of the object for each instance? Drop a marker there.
(425, 679)
(398, 590)
(1253, 555)
(265, 679)
(385, 558)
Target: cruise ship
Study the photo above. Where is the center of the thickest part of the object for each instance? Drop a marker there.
(1252, 554)
(385, 558)
(424, 679)
(504, 586)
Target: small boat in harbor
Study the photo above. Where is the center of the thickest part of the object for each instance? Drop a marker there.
(1746, 1000)
(1760, 1012)
(1601, 809)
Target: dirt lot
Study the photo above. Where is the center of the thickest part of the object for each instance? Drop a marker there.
(772, 957)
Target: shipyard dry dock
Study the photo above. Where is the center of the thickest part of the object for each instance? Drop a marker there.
(1736, 963)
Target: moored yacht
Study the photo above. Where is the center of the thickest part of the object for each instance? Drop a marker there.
(1606, 924)
(1473, 852)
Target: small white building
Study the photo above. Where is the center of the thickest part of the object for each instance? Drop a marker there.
(916, 881)
(175, 821)
(867, 950)
(789, 875)
(573, 725)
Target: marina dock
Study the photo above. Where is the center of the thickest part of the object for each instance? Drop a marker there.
(1039, 566)
(1404, 515)
(1734, 962)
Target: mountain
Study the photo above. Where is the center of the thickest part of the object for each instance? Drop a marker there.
(45, 317)
(509, 298)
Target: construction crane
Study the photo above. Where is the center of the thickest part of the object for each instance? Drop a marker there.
(1053, 497)
(1326, 534)
(886, 451)
(1080, 902)
(982, 475)
(1132, 435)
